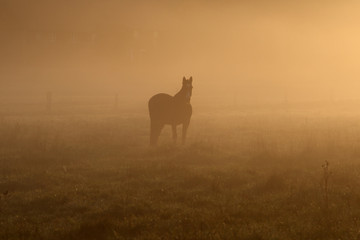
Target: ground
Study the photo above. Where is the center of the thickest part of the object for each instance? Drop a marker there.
(242, 175)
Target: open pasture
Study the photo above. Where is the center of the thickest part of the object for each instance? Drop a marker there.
(243, 175)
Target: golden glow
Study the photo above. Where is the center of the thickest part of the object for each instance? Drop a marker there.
(256, 50)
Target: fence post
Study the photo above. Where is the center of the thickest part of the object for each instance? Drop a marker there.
(49, 96)
(116, 101)
(235, 102)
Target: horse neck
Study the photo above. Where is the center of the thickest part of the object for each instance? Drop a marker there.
(181, 95)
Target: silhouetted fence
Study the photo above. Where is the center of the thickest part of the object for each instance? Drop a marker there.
(55, 103)
(52, 103)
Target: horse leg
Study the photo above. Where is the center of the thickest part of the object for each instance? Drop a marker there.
(153, 139)
(184, 131)
(174, 133)
(155, 132)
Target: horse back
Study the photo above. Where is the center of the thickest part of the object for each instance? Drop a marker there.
(160, 106)
(163, 109)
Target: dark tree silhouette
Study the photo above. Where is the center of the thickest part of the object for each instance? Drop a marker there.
(173, 110)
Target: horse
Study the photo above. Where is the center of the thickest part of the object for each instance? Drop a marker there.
(165, 109)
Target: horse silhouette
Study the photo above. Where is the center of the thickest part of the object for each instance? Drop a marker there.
(173, 110)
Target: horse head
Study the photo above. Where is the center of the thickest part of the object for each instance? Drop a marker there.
(187, 88)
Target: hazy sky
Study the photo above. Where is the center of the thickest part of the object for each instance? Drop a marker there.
(258, 49)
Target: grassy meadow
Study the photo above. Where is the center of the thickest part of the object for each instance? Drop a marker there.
(252, 175)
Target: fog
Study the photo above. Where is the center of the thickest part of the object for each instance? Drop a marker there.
(267, 149)
(254, 51)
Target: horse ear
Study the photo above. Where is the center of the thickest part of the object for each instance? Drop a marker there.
(184, 79)
(190, 79)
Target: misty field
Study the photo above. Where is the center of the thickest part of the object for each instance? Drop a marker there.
(241, 175)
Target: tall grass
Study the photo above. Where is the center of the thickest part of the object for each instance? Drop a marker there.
(245, 176)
